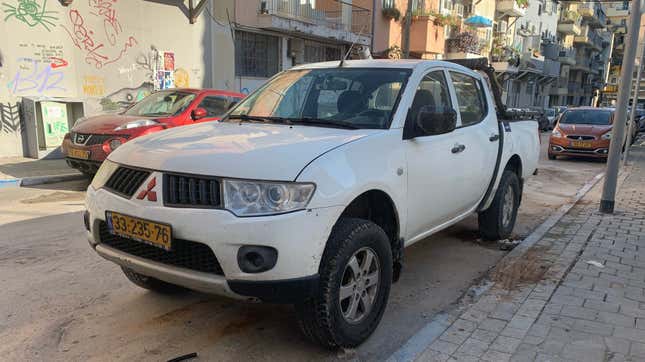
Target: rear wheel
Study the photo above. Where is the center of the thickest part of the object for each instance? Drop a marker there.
(151, 283)
(497, 222)
(355, 278)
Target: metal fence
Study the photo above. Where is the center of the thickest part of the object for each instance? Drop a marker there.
(334, 14)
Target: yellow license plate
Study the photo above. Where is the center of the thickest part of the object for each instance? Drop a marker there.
(76, 153)
(146, 231)
(581, 144)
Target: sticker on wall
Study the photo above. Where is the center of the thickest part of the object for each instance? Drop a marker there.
(182, 78)
(55, 123)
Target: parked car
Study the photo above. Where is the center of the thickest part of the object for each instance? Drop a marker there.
(582, 131)
(91, 139)
(551, 116)
(309, 189)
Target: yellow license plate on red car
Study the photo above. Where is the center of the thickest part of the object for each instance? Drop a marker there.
(76, 153)
(580, 144)
(146, 231)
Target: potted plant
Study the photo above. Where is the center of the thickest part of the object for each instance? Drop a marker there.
(523, 4)
(391, 13)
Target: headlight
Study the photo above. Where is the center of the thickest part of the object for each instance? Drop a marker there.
(137, 124)
(103, 174)
(556, 133)
(606, 136)
(255, 198)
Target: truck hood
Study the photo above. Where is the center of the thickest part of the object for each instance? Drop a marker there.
(106, 123)
(246, 150)
(584, 129)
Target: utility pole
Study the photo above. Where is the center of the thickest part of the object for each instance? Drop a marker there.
(607, 201)
(406, 30)
(632, 115)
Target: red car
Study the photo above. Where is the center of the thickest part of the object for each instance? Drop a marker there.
(92, 139)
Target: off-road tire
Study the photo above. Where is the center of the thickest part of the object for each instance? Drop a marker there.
(151, 283)
(320, 317)
(491, 220)
(552, 157)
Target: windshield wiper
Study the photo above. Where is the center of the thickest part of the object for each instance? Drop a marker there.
(246, 117)
(324, 122)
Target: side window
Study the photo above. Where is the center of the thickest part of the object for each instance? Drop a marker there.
(470, 97)
(431, 92)
(214, 105)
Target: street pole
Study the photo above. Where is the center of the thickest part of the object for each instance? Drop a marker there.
(406, 30)
(608, 198)
(632, 115)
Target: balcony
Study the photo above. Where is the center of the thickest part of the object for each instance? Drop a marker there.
(582, 64)
(324, 19)
(512, 8)
(532, 63)
(589, 38)
(567, 56)
(551, 51)
(426, 37)
(617, 9)
(464, 45)
(610, 89)
(569, 23)
(593, 14)
(551, 68)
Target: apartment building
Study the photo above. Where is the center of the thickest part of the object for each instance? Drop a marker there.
(274, 35)
(617, 13)
(584, 52)
(525, 51)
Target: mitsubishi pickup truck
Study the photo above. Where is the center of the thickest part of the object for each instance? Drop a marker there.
(308, 191)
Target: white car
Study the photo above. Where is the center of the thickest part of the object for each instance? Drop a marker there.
(309, 189)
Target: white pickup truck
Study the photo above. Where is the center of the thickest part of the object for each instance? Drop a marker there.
(308, 191)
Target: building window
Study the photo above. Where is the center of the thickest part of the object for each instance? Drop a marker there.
(319, 52)
(256, 55)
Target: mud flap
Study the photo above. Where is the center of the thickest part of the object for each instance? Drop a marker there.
(397, 258)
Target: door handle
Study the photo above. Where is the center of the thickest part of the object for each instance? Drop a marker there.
(458, 148)
(493, 137)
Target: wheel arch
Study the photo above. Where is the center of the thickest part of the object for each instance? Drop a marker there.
(378, 207)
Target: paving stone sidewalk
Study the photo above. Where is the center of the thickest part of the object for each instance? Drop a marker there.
(577, 295)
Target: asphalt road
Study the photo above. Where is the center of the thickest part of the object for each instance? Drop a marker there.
(60, 301)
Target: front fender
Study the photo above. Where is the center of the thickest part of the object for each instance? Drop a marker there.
(376, 162)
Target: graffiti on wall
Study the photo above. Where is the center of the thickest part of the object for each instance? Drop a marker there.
(32, 13)
(10, 118)
(34, 76)
(93, 86)
(182, 78)
(98, 52)
(125, 97)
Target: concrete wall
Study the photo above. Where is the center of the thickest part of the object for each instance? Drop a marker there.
(102, 52)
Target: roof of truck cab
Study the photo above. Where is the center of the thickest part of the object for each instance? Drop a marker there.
(379, 63)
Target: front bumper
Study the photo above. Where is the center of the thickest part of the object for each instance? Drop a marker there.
(298, 237)
(563, 147)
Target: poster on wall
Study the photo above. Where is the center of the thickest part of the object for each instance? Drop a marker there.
(164, 77)
(55, 123)
(169, 61)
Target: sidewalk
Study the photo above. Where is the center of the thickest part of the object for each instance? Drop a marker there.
(17, 171)
(578, 294)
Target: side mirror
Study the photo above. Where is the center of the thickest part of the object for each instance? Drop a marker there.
(431, 121)
(198, 113)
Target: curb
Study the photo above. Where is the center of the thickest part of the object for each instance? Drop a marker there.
(418, 342)
(39, 180)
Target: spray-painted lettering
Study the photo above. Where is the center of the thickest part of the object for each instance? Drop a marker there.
(111, 25)
(35, 77)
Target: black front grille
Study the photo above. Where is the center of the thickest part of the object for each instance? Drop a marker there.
(126, 181)
(191, 191)
(90, 139)
(184, 254)
(581, 138)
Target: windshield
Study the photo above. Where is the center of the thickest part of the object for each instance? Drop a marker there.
(550, 112)
(593, 117)
(164, 103)
(357, 97)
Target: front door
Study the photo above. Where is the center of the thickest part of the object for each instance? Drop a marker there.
(435, 163)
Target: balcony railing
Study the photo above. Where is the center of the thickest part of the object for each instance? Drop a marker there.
(567, 56)
(589, 37)
(511, 8)
(336, 15)
(551, 68)
(569, 22)
(551, 51)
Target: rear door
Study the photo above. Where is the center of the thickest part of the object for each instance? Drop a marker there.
(478, 133)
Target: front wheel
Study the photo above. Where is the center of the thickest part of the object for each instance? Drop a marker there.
(355, 279)
(497, 222)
